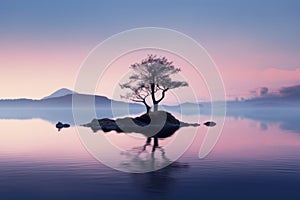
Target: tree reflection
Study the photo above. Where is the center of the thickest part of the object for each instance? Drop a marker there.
(141, 159)
(155, 181)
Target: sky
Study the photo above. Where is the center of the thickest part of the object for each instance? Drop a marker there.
(43, 43)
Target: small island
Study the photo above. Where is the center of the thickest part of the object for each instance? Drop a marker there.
(156, 125)
(149, 82)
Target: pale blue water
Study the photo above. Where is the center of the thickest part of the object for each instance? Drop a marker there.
(252, 160)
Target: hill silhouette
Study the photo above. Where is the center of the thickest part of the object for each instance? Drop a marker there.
(62, 98)
(59, 93)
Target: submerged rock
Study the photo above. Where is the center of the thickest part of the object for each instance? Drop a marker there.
(210, 123)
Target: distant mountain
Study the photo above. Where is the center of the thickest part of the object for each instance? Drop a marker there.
(63, 99)
(60, 93)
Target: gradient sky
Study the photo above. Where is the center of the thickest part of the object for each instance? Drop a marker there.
(42, 43)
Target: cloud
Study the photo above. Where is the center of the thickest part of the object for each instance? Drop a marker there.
(263, 91)
(290, 92)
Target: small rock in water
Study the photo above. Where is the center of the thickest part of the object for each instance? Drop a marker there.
(60, 125)
(210, 124)
(66, 125)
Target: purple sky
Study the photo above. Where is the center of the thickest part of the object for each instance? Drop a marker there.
(42, 44)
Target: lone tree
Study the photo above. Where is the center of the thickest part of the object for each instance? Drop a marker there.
(151, 78)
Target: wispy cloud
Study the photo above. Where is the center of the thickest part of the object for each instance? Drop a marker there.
(290, 93)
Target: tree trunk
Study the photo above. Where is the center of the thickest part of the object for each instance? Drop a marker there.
(155, 103)
(147, 106)
(155, 107)
(148, 109)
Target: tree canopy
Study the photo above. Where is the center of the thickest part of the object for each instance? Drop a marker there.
(151, 78)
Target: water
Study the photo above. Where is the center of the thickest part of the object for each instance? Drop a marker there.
(252, 160)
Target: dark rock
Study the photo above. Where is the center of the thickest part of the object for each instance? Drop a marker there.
(210, 123)
(142, 120)
(154, 125)
(66, 125)
(60, 125)
(108, 125)
(169, 126)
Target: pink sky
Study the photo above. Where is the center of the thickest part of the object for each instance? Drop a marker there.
(34, 69)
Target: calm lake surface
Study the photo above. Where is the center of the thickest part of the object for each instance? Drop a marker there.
(253, 159)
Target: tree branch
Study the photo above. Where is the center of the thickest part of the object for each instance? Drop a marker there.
(163, 95)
